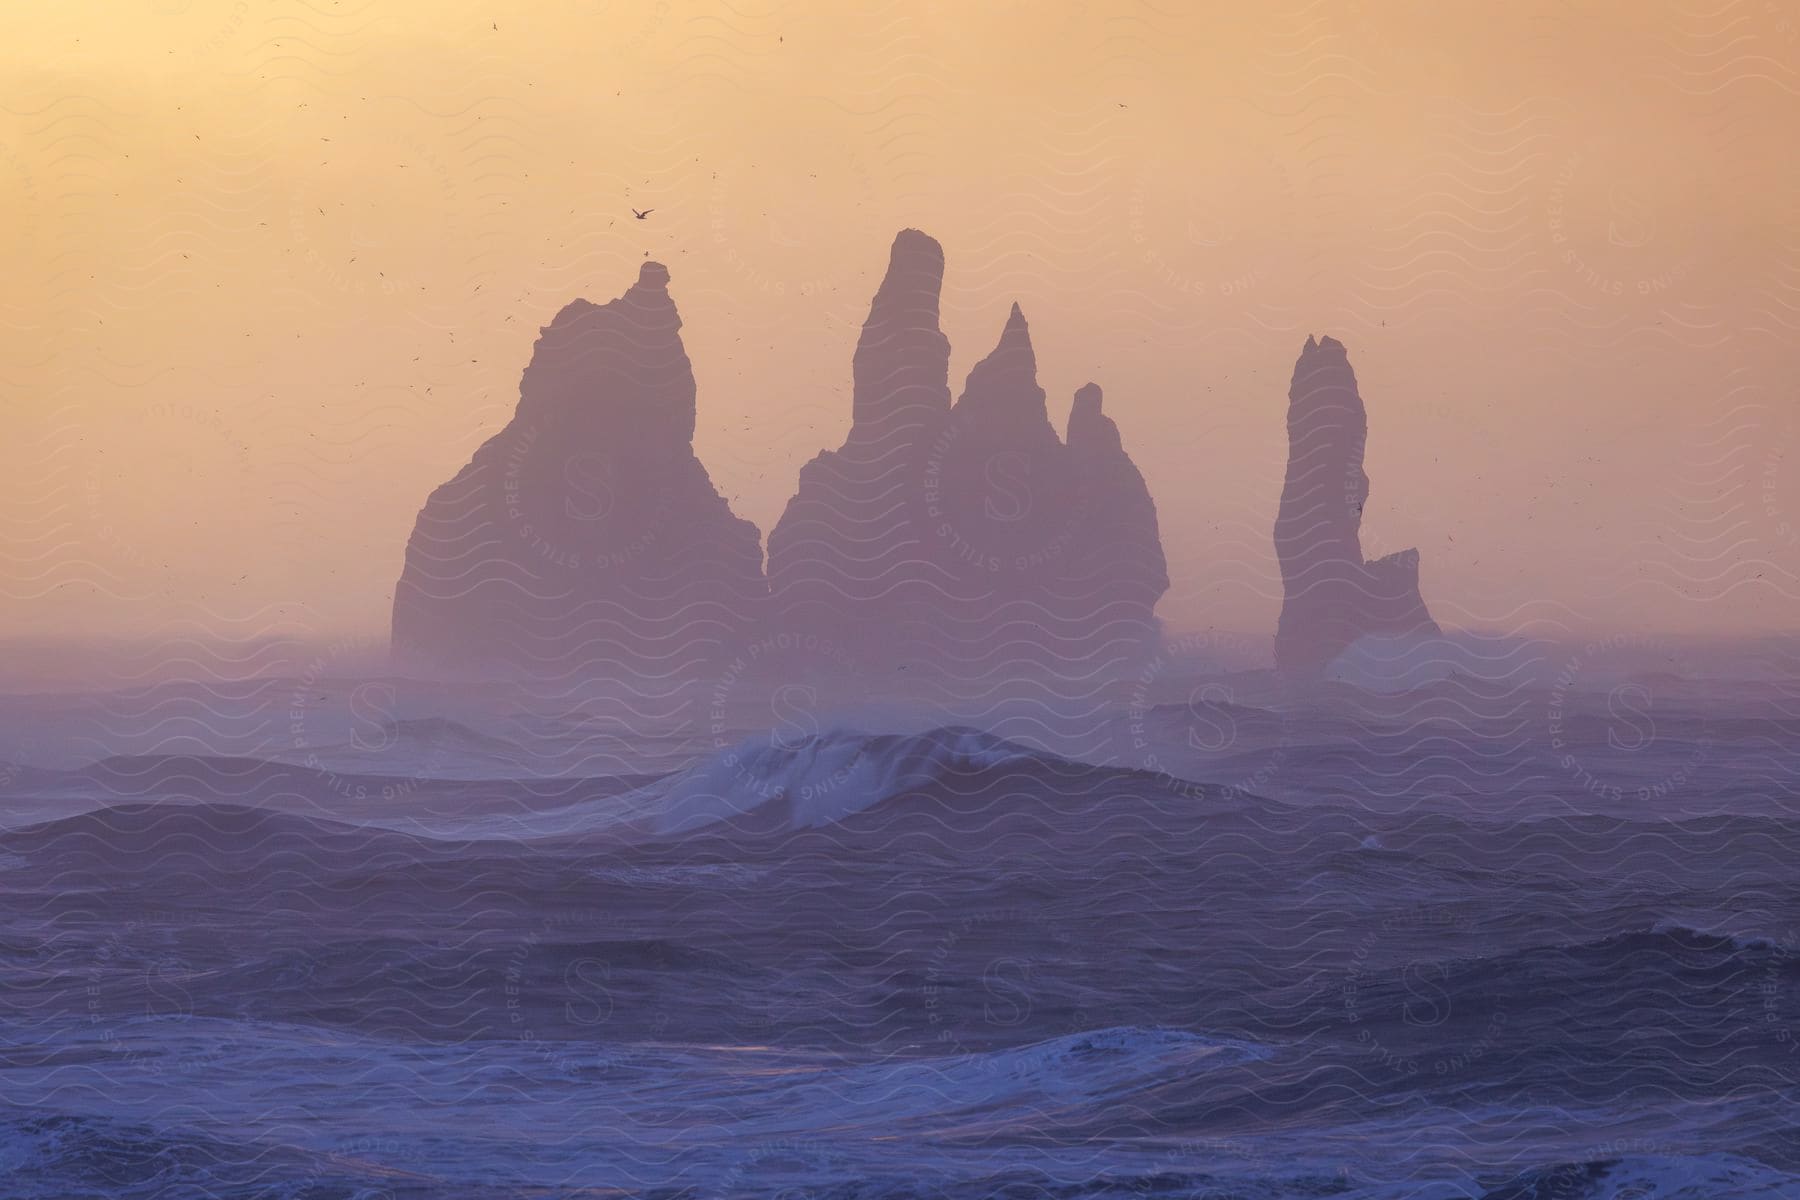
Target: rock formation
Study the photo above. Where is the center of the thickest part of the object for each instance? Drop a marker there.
(1119, 558)
(1331, 596)
(969, 541)
(964, 543)
(585, 540)
(846, 559)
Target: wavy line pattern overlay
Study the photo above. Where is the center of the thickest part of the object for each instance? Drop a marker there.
(549, 651)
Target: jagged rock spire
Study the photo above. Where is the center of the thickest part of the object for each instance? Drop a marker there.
(584, 538)
(1331, 596)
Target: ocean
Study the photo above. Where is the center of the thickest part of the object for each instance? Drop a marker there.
(1521, 935)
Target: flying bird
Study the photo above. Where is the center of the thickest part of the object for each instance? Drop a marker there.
(641, 215)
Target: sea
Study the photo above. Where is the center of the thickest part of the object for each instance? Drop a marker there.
(1524, 927)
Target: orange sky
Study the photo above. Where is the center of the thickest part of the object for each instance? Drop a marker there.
(272, 271)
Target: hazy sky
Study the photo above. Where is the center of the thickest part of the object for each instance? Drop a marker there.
(272, 269)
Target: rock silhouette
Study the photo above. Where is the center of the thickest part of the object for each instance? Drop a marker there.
(1119, 558)
(966, 542)
(585, 540)
(1331, 596)
(847, 558)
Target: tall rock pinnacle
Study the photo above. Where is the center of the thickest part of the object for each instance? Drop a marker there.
(966, 543)
(1331, 596)
(1118, 561)
(584, 538)
(902, 365)
(844, 558)
(1004, 384)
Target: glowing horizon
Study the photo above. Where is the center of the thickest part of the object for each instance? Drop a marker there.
(274, 278)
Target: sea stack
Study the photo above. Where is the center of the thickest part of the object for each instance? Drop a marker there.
(1117, 564)
(584, 540)
(1330, 595)
(967, 544)
(846, 559)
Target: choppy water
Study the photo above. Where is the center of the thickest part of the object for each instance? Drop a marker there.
(1467, 941)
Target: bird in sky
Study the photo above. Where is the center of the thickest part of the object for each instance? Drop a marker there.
(641, 215)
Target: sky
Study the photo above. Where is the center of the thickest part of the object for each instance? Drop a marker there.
(271, 272)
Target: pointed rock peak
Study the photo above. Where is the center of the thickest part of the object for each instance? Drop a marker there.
(1089, 428)
(1007, 377)
(1331, 596)
(653, 276)
(578, 538)
(913, 245)
(1323, 368)
(915, 274)
(615, 368)
(1326, 346)
(649, 296)
(1012, 354)
(1087, 404)
(901, 369)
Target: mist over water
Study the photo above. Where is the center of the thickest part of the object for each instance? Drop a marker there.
(1519, 925)
(877, 873)
(556, 641)
(637, 862)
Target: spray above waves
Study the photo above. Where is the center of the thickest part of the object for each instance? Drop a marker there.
(772, 783)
